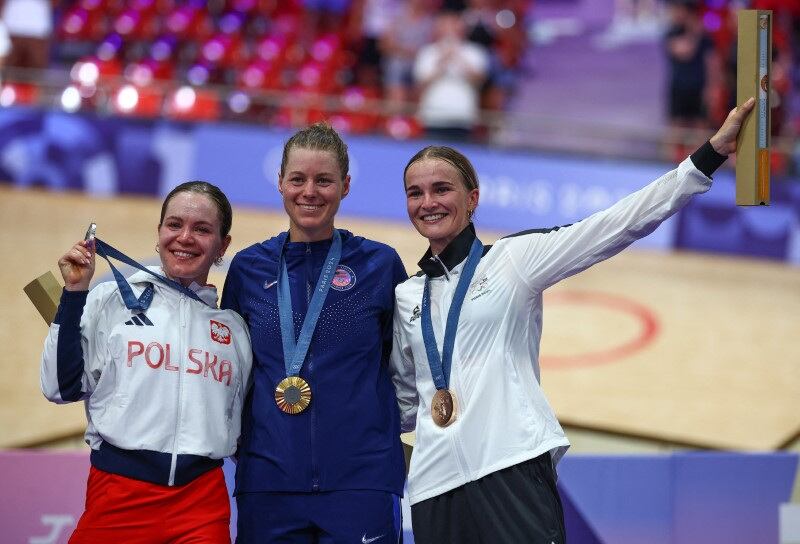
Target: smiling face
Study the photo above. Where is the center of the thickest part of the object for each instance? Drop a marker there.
(439, 204)
(189, 237)
(312, 187)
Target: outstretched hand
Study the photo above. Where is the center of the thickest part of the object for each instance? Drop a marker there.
(724, 141)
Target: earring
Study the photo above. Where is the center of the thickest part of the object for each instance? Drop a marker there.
(157, 249)
(218, 261)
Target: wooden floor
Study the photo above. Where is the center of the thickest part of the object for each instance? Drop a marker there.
(685, 348)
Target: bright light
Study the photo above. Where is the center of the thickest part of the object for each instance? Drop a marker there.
(86, 73)
(505, 18)
(8, 96)
(71, 99)
(238, 102)
(184, 99)
(127, 98)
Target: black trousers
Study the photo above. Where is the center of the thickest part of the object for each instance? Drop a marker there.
(516, 505)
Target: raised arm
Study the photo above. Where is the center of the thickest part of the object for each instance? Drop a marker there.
(63, 368)
(543, 259)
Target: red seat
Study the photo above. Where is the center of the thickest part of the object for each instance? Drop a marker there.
(189, 23)
(74, 25)
(300, 108)
(193, 104)
(13, 93)
(260, 74)
(401, 127)
(138, 101)
(360, 109)
(223, 50)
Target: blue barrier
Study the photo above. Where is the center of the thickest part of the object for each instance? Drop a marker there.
(519, 190)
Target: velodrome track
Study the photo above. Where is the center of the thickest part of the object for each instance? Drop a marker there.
(687, 349)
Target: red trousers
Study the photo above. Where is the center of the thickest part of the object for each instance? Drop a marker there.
(120, 509)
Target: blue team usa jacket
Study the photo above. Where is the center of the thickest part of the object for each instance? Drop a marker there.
(348, 438)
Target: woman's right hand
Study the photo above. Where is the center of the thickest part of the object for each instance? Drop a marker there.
(77, 266)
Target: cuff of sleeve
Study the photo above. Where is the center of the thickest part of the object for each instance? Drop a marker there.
(70, 308)
(707, 160)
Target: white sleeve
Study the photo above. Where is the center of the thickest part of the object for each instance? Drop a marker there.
(401, 368)
(76, 348)
(425, 64)
(542, 259)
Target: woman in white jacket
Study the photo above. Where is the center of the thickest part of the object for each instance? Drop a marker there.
(163, 374)
(466, 345)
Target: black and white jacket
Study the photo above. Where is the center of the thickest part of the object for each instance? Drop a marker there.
(503, 415)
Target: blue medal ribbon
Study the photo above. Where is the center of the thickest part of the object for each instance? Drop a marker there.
(294, 353)
(140, 304)
(440, 366)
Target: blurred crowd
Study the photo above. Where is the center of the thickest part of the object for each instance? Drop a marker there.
(400, 66)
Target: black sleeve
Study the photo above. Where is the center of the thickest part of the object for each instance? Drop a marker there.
(707, 160)
(69, 351)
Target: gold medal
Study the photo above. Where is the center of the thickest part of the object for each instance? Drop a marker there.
(443, 407)
(293, 395)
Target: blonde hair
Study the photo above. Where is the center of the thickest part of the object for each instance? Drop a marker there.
(319, 136)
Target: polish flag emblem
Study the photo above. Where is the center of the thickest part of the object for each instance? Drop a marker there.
(220, 333)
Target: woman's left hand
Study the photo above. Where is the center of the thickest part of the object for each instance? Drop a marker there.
(724, 141)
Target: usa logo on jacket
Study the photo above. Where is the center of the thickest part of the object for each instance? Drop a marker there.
(343, 279)
(220, 333)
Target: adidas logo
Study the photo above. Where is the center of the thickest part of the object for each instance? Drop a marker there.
(139, 320)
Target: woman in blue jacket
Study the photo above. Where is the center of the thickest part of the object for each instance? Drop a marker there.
(320, 458)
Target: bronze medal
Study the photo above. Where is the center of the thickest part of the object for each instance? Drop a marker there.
(443, 408)
(293, 395)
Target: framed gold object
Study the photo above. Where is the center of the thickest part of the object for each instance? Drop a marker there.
(754, 60)
(45, 293)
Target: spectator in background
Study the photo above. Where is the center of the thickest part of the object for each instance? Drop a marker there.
(29, 24)
(449, 73)
(693, 64)
(369, 20)
(411, 29)
(496, 30)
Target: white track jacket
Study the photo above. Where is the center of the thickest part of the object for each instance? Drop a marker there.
(503, 415)
(163, 388)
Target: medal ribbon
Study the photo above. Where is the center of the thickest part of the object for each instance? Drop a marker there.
(140, 304)
(294, 353)
(440, 366)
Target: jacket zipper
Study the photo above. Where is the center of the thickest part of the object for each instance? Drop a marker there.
(179, 351)
(309, 371)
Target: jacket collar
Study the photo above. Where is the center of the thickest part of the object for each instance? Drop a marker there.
(207, 293)
(298, 248)
(455, 252)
